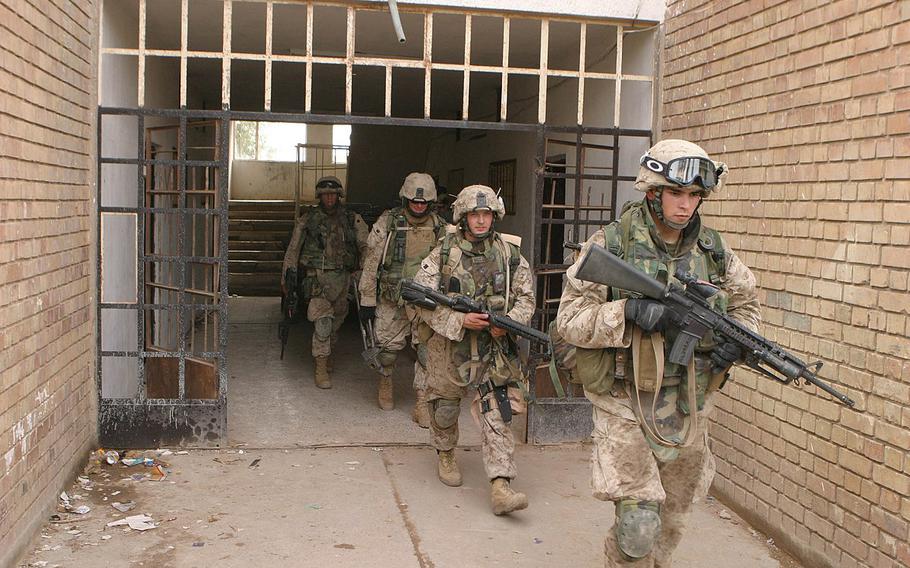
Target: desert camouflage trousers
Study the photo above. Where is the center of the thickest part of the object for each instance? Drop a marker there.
(393, 326)
(624, 467)
(327, 308)
(443, 383)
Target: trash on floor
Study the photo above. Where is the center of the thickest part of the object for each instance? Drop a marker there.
(136, 522)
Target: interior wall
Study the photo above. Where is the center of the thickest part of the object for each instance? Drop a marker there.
(262, 179)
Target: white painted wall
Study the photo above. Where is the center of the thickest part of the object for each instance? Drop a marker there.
(119, 188)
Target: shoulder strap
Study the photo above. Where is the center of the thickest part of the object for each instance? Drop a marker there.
(449, 257)
(711, 243)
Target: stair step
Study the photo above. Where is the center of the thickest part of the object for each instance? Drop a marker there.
(235, 254)
(261, 225)
(248, 235)
(284, 215)
(253, 284)
(257, 266)
(256, 205)
(252, 244)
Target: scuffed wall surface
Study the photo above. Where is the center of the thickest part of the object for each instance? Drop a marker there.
(808, 103)
(47, 396)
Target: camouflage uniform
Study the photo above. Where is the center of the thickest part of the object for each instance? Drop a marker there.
(459, 359)
(398, 241)
(629, 467)
(326, 246)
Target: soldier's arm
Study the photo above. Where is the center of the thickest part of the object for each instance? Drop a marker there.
(375, 246)
(522, 289)
(293, 253)
(361, 232)
(739, 285)
(444, 321)
(587, 317)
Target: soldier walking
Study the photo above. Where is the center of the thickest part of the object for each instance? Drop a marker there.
(326, 247)
(651, 457)
(465, 352)
(398, 242)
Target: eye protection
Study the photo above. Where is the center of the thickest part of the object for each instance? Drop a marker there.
(685, 171)
(328, 183)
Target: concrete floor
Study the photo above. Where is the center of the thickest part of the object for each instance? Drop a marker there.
(325, 478)
(273, 403)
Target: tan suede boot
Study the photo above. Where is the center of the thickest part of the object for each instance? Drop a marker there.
(322, 373)
(420, 414)
(448, 469)
(386, 400)
(505, 499)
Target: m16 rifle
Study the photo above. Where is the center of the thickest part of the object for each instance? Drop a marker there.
(428, 298)
(289, 305)
(691, 314)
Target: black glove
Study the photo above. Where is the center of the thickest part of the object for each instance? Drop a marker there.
(724, 355)
(367, 313)
(649, 315)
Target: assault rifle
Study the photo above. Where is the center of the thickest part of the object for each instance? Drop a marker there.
(691, 314)
(288, 307)
(429, 298)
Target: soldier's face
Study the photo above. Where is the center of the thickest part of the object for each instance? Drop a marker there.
(328, 200)
(418, 207)
(680, 203)
(479, 222)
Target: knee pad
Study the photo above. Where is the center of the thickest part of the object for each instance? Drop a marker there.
(445, 412)
(387, 361)
(637, 527)
(323, 328)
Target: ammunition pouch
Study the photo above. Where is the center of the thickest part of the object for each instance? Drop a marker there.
(501, 394)
(595, 369)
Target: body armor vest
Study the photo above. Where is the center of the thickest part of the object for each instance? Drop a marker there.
(482, 271)
(700, 252)
(329, 240)
(410, 241)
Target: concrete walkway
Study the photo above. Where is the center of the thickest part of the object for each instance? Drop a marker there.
(362, 506)
(324, 478)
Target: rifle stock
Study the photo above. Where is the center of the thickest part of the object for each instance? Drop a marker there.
(598, 265)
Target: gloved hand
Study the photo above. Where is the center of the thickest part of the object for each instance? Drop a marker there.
(649, 315)
(367, 313)
(724, 355)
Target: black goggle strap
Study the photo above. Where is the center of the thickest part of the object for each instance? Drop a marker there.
(328, 183)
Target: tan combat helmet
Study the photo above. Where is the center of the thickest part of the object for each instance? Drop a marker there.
(329, 184)
(418, 187)
(474, 198)
(679, 163)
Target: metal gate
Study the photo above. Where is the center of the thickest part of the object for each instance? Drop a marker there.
(162, 310)
(568, 211)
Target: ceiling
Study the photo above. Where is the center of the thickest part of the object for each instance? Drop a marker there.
(374, 37)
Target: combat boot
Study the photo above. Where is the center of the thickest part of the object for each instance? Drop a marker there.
(322, 373)
(505, 499)
(448, 469)
(420, 414)
(330, 364)
(386, 400)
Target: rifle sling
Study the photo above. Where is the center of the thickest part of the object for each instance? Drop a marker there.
(650, 423)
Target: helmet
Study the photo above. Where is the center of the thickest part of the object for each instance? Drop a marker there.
(475, 197)
(679, 163)
(329, 184)
(418, 187)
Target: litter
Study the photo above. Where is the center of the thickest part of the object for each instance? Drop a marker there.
(255, 463)
(352, 463)
(123, 507)
(106, 537)
(537, 540)
(724, 515)
(136, 522)
(130, 462)
(82, 509)
(111, 457)
(314, 506)
(198, 544)
(182, 453)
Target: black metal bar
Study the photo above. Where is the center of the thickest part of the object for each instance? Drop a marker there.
(223, 204)
(614, 190)
(312, 118)
(159, 162)
(607, 177)
(539, 171)
(163, 354)
(140, 255)
(166, 307)
(184, 319)
(583, 222)
(165, 210)
(99, 200)
(580, 172)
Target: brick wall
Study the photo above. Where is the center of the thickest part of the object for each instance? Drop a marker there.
(47, 393)
(809, 103)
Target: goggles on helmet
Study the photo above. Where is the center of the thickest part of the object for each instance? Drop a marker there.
(685, 171)
(328, 183)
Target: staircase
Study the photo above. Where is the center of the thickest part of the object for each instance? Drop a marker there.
(258, 235)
